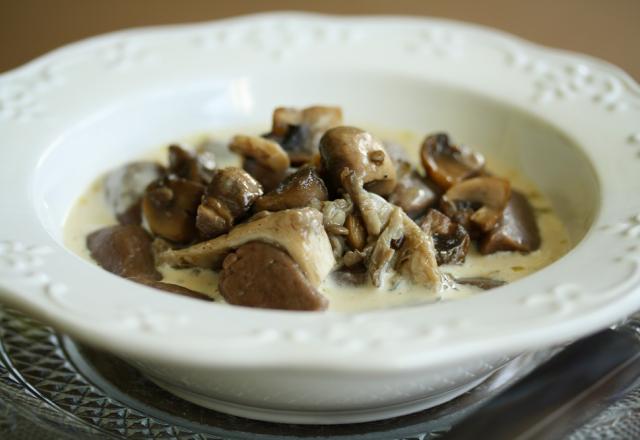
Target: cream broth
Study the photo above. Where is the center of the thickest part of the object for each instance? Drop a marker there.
(91, 212)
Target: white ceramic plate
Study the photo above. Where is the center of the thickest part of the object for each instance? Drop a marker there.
(569, 122)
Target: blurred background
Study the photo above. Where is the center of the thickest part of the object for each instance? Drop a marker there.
(606, 29)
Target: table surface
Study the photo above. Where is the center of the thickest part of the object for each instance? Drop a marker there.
(606, 29)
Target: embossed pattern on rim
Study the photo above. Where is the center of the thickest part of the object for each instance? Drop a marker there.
(573, 91)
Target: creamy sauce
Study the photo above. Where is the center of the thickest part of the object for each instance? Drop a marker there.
(91, 212)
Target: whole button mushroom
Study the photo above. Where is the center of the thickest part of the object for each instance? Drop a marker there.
(298, 190)
(227, 198)
(448, 164)
(351, 148)
(478, 202)
(170, 205)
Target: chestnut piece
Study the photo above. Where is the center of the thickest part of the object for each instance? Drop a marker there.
(261, 275)
(448, 164)
(298, 190)
(517, 231)
(124, 250)
(170, 205)
(450, 239)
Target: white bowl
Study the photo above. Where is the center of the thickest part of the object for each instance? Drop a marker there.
(569, 122)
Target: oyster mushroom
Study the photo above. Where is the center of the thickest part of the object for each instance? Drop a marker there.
(299, 131)
(357, 150)
(299, 232)
(450, 239)
(448, 164)
(479, 202)
(412, 193)
(195, 167)
(399, 238)
(124, 250)
(124, 187)
(170, 205)
(262, 275)
(517, 231)
(356, 234)
(262, 158)
(298, 190)
(228, 197)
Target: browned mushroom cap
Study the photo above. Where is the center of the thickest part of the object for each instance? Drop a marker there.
(261, 275)
(450, 239)
(448, 164)
(170, 206)
(124, 187)
(124, 250)
(517, 231)
(479, 202)
(412, 193)
(196, 167)
(358, 150)
(263, 159)
(296, 191)
(299, 131)
(228, 197)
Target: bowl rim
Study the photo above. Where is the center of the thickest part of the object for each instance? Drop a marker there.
(37, 272)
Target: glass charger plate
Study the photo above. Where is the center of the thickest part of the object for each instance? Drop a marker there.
(52, 387)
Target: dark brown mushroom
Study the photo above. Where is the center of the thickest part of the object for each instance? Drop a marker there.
(298, 190)
(477, 203)
(481, 282)
(172, 288)
(263, 159)
(351, 148)
(450, 239)
(261, 275)
(448, 164)
(517, 231)
(412, 193)
(124, 250)
(124, 187)
(299, 131)
(227, 198)
(170, 205)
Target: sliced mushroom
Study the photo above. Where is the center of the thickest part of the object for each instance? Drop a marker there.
(385, 247)
(195, 167)
(299, 232)
(517, 231)
(358, 150)
(124, 187)
(299, 131)
(298, 190)
(124, 250)
(481, 282)
(172, 288)
(450, 239)
(448, 164)
(412, 193)
(478, 202)
(261, 275)
(263, 159)
(228, 197)
(170, 205)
